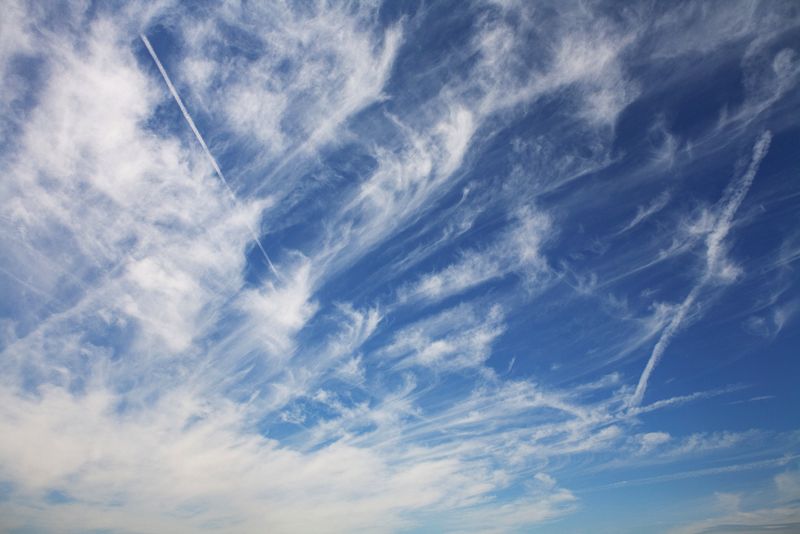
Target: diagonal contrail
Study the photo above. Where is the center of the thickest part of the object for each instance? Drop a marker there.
(731, 200)
(202, 142)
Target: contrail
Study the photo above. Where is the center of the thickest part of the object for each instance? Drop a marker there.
(202, 142)
(731, 200)
(759, 464)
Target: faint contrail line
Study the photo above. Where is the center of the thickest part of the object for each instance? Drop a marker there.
(759, 464)
(202, 142)
(731, 200)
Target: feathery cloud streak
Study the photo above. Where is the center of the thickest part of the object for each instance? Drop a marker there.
(481, 214)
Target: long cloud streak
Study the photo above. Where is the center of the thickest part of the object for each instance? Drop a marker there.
(202, 142)
(734, 195)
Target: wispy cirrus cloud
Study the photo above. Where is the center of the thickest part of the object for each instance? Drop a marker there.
(717, 268)
(518, 251)
(309, 267)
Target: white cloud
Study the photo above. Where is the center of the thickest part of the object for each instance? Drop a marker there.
(717, 269)
(141, 468)
(296, 75)
(517, 250)
(127, 212)
(645, 212)
(278, 310)
(788, 485)
(651, 440)
(151, 382)
(457, 338)
(746, 512)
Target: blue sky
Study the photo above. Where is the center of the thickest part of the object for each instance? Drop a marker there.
(403, 267)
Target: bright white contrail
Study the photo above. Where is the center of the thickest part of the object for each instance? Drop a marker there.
(731, 200)
(202, 142)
